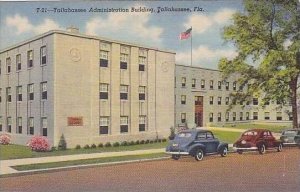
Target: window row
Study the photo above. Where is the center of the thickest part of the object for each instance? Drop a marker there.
(30, 129)
(30, 92)
(104, 90)
(104, 124)
(29, 60)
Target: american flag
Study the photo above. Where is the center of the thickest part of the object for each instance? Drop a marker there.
(186, 34)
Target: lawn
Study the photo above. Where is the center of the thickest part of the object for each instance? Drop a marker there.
(273, 127)
(227, 136)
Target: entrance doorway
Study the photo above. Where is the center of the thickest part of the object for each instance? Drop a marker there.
(199, 111)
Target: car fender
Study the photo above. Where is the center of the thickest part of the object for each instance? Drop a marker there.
(260, 143)
(221, 146)
(193, 148)
(277, 143)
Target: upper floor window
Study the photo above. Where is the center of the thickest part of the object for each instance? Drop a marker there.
(227, 86)
(43, 55)
(227, 101)
(234, 86)
(142, 91)
(103, 91)
(211, 84)
(8, 65)
(18, 62)
(211, 100)
(219, 117)
(219, 100)
(193, 83)
(202, 83)
(30, 59)
(30, 92)
(103, 58)
(227, 116)
(123, 61)
(0, 95)
(183, 117)
(124, 92)
(142, 63)
(211, 117)
(0, 67)
(183, 81)
(19, 93)
(183, 99)
(8, 94)
(255, 101)
(44, 90)
(219, 85)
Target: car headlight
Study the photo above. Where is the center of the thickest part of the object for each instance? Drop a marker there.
(243, 142)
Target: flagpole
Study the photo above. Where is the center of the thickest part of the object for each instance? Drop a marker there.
(191, 46)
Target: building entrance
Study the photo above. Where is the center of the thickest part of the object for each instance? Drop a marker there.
(199, 111)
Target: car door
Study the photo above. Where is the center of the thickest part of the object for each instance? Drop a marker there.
(212, 143)
(269, 139)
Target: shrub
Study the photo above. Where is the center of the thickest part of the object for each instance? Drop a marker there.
(159, 140)
(132, 143)
(86, 146)
(62, 145)
(93, 146)
(151, 141)
(108, 144)
(53, 148)
(78, 147)
(172, 133)
(116, 144)
(5, 139)
(124, 143)
(39, 144)
(164, 140)
(142, 142)
(137, 142)
(147, 141)
(100, 145)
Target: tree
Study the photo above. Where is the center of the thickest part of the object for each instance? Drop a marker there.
(267, 38)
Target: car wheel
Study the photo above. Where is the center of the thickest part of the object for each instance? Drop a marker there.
(224, 152)
(199, 155)
(279, 149)
(239, 151)
(262, 149)
(175, 157)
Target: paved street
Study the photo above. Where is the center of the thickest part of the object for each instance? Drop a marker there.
(248, 172)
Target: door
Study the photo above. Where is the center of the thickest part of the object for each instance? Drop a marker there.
(199, 111)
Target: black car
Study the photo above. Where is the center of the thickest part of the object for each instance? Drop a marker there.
(196, 143)
(290, 137)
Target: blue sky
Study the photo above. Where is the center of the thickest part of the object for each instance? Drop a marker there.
(20, 21)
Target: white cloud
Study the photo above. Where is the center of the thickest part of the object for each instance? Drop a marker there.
(202, 23)
(134, 25)
(23, 25)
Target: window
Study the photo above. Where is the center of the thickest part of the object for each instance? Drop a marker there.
(183, 99)
(43, 55)
(30, 59)
(30, 130)
(234, 86)
(219, 117)
(103, 58)
(8, 129)
(30, 92)
(103, 91)
(255, 101)
(211, 84)
(255, 115)
(0, 95)
(183, 82)
(233, 116)
(142, 63)
(267, 115)
(124, 124)
(123, 61)
(219, 100)
(142, 123)
(227, 100)
(241, 102)
(211, 100)
(44, 126)
(193, 83)
(211, 117)
(219, 85)
(18, 62)
(104, 123)
(0, 67)
(267, 103)
(278, 116)
(8, 94)
(247, 115)
(19, 93)
(142, 91)
(209, 135)
(1, 123)
(227, 86)
(198, 100)
(124, 92)
(183, 117)
(19, 125)
(8, 65)
(227, 116)
(202, 83)
(44, 90)
(241, 116)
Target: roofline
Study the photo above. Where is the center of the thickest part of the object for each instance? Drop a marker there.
(82, 36)
(196, 67)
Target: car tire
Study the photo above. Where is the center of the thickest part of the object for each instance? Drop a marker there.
(175, 157)
(279, 148)
(239, 152)
(262, 149)
(199, 155)
(224, 152)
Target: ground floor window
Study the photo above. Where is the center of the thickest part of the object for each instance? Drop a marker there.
(124, 124)
(44, 126)
(267, 115)
(9, 124)
(255, 115)
(142, 123)
(183, 117)
(279, 116)
(211, 117)
(30, 126)
(104, 123)
(233, 116)
(19, 125)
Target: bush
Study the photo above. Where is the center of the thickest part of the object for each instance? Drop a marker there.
(116, 144)
(151, 141)
(5, 139)
(147, 141)
(39, 144)
(137, 142)
(159, 140)
(108, 144)
(93, 146)
(124, 143)
(132, 143)
(164, 140)
(86, 146)
(142, 142)
(78, 147)
(172, 133)
(62, 145)
(53, 148)
(100, 145)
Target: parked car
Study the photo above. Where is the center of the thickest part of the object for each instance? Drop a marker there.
(196, 143)
(290, 137)
(257, 139)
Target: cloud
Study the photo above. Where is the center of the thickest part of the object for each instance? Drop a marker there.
(134, 26)
(202, 23)
(23, 25)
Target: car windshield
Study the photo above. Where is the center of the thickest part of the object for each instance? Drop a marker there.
(250, 133)
(290, 132)
(184, 135)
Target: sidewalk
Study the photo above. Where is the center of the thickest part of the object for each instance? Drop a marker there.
(5, 165)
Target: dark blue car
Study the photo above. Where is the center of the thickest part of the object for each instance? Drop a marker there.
(197, 143)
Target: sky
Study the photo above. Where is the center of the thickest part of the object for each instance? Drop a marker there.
(22, 20)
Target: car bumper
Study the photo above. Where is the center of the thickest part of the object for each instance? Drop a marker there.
(177, 153)
(288, 144)
(245, 148)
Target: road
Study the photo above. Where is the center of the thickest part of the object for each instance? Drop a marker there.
(273, 171)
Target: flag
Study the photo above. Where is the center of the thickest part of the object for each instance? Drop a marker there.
(186, 34)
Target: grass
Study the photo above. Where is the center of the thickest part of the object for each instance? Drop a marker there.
(272, 127)
(88, 161)
(227, 136)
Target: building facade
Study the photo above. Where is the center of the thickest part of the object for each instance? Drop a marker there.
(202, 98)
(89, 89)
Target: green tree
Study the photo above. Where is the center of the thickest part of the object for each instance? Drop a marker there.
(266, 35)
